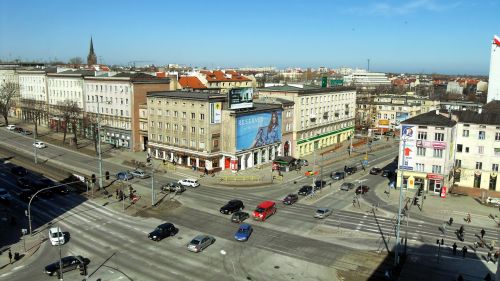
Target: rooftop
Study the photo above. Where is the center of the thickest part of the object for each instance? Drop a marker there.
(486, 118)
(191, 82)
(431, 118)
(191, 95)
(306, 89)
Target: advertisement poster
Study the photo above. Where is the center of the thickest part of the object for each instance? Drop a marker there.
(257, 130)
(215, 112)
(408, 133)
(240, 98)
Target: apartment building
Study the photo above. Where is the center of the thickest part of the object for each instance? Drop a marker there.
(185, 128)
(33, 87)
(226, 80)
(9, 74)
(322, 117)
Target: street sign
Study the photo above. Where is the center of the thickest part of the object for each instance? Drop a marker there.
(406, 168)
(365, 162)
(407, 151)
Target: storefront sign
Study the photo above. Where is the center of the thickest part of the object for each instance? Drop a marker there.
(431, 144)
(435, 177)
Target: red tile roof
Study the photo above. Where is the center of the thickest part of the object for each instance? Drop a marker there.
(191, 82)
(219, 76)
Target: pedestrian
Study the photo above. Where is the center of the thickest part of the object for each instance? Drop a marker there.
(489, 256)
(454, 248)
(345, 168)
(10, 257)
(468, 219)
(464, 251)
(206, 171)
(354, 202)
(117, 193)
(483, 232)
(451, 221)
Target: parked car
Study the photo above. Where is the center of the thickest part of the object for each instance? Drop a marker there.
(362, 189)
(264, 210)
(231, 207)
(305, 190)
(346, 186)
(200, 242)
(124, 176)
(189, 182)
(319, 184)
(338, 175)
(39, 144)
(19, 171)
(375, 171)
(243, 232)
(322, 213)
(303, 162)
(239, 216)
(5, 195)
(139, 173)
(162, 231)
(173, 187)
(68, 263)
(56, 236)
(27, 132)
(351, 170)
(290, 199)
(18, 129)
(11, 127)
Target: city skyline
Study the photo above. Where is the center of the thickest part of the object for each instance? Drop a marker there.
(422, 36)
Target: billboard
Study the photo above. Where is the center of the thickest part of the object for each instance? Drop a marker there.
(257, 130)
(240, 98)
(215, 112)
(408, 135)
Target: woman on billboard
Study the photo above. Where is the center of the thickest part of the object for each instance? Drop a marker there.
(268, 134)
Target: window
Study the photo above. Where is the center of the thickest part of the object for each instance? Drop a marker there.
(421, 151)
(467, 149)
(167, 126)
(160, 138)
(202, 116)
(422, 135)
(437, 153)
(479, 165)
(494, 167)
(216, 143)
(459, 147)
(439, 137)
(176, 140)
(160, 125)
(183, 128)
(152, 124)
(436, 169)
(153, 136)
(480, 149)
(482, 135)
(458, 163)
(420, 167)
(193, 130)
(193, 115)
(176, 114)
(176, 127)
(202, 131)
(465, 133)
(167, 112)
(168, 139)
(497, 136)
(184, 114)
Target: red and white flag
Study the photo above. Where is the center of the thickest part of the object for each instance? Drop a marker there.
(496, 40)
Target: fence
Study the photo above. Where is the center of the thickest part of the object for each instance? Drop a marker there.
(240, 178)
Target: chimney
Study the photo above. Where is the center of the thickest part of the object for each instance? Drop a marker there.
(437, 111)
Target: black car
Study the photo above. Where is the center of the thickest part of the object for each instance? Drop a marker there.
(19, 171)
(58, 187)
(375, 171)
(351, 170)
(290, 199)
(239, 216)
(338, 175)
(162, 231)
(362, 189)
(173, 187)
(305, 190)
(231, 207)
(68, 263)
(319, 184)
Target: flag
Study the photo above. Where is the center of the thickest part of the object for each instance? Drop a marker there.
(496, 40)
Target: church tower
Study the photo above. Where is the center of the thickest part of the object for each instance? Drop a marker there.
(91, 58)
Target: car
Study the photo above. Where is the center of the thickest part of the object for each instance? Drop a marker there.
(39, 144)
(231, 207)
(173, 187)
(362, 189)
(56, 236)
(338, 175)
(385, 173)
(68, 263)
(351, 170)
(239, 216)
(27, 132)
(389, 134)
(303, 162)
(139, 173)
(319, 184)
(200, 242)
(124, 176)
(264, 210)
(189, 182)
(18, 129)
(19, 171)
(322, 213)
(346, 186)
(306, 190)
(11, 127)
(375, 171)
(290, 199)
(162, 231)
(243, 232)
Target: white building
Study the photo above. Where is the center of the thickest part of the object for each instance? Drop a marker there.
(33, 85)
(454, 88)
(494, 82)
(364, 79)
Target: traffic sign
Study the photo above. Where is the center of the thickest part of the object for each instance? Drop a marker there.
(407, 168)
(365, 162)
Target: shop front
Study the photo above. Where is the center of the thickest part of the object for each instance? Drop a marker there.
(435, 182)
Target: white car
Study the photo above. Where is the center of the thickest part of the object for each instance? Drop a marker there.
(39, 144)
(56, 236)
(11, 127)
(189, 182)
(322, 213)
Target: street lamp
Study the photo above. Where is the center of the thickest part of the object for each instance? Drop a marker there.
(404, 138)
(153, 196)
(99, 153)
(34, 147)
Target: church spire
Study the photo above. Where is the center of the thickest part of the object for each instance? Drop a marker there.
(91, 58)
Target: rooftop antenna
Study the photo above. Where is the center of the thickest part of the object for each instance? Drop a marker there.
(368, 65)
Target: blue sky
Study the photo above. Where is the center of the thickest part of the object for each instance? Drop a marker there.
(428, 36)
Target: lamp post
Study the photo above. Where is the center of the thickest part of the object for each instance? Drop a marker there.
(398, 226)
(99, 152)
(34, 147)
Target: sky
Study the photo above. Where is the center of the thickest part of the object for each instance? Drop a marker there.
(418, 36)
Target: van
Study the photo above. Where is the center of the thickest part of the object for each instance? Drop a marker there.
(56, 236)
(264, 210)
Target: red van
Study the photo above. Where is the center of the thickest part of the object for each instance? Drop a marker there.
(264, 210)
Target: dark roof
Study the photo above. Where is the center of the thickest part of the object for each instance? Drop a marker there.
(307, 89)
(492, 106)
(77, 72)
(137, 75)
(486, 118)
(188, 95)
(432, 119)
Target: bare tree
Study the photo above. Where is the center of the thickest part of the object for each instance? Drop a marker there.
(75, 60)
(8, 94)
(91, 125)
(33, 111)
(69, 112)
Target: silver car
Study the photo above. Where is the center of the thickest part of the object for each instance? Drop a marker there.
(200, 242)
(139, 173)
(322, 213)
(346, 186)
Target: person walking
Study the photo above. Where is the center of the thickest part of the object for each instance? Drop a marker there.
(468, 219)
(10, 257)
(117, 193)
(483, 232)
(489, 256)
(464, 251)
(450, 221)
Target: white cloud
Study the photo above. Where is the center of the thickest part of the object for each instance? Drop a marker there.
(403, 8)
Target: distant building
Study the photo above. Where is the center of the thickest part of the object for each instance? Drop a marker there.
(494, 82)
(454, 87)
(225, 80)
(366, 80)
(91, 58)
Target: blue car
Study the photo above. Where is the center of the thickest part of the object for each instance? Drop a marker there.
(124, 176)
(244, 232)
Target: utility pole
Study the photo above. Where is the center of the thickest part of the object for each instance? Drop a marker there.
(34, 146)
(99, 142)
(60, 254)
(314, 168)
(398, 226)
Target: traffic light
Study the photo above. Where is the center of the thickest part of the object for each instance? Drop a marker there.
(93, 179)
(107, 175)
(415, 201)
